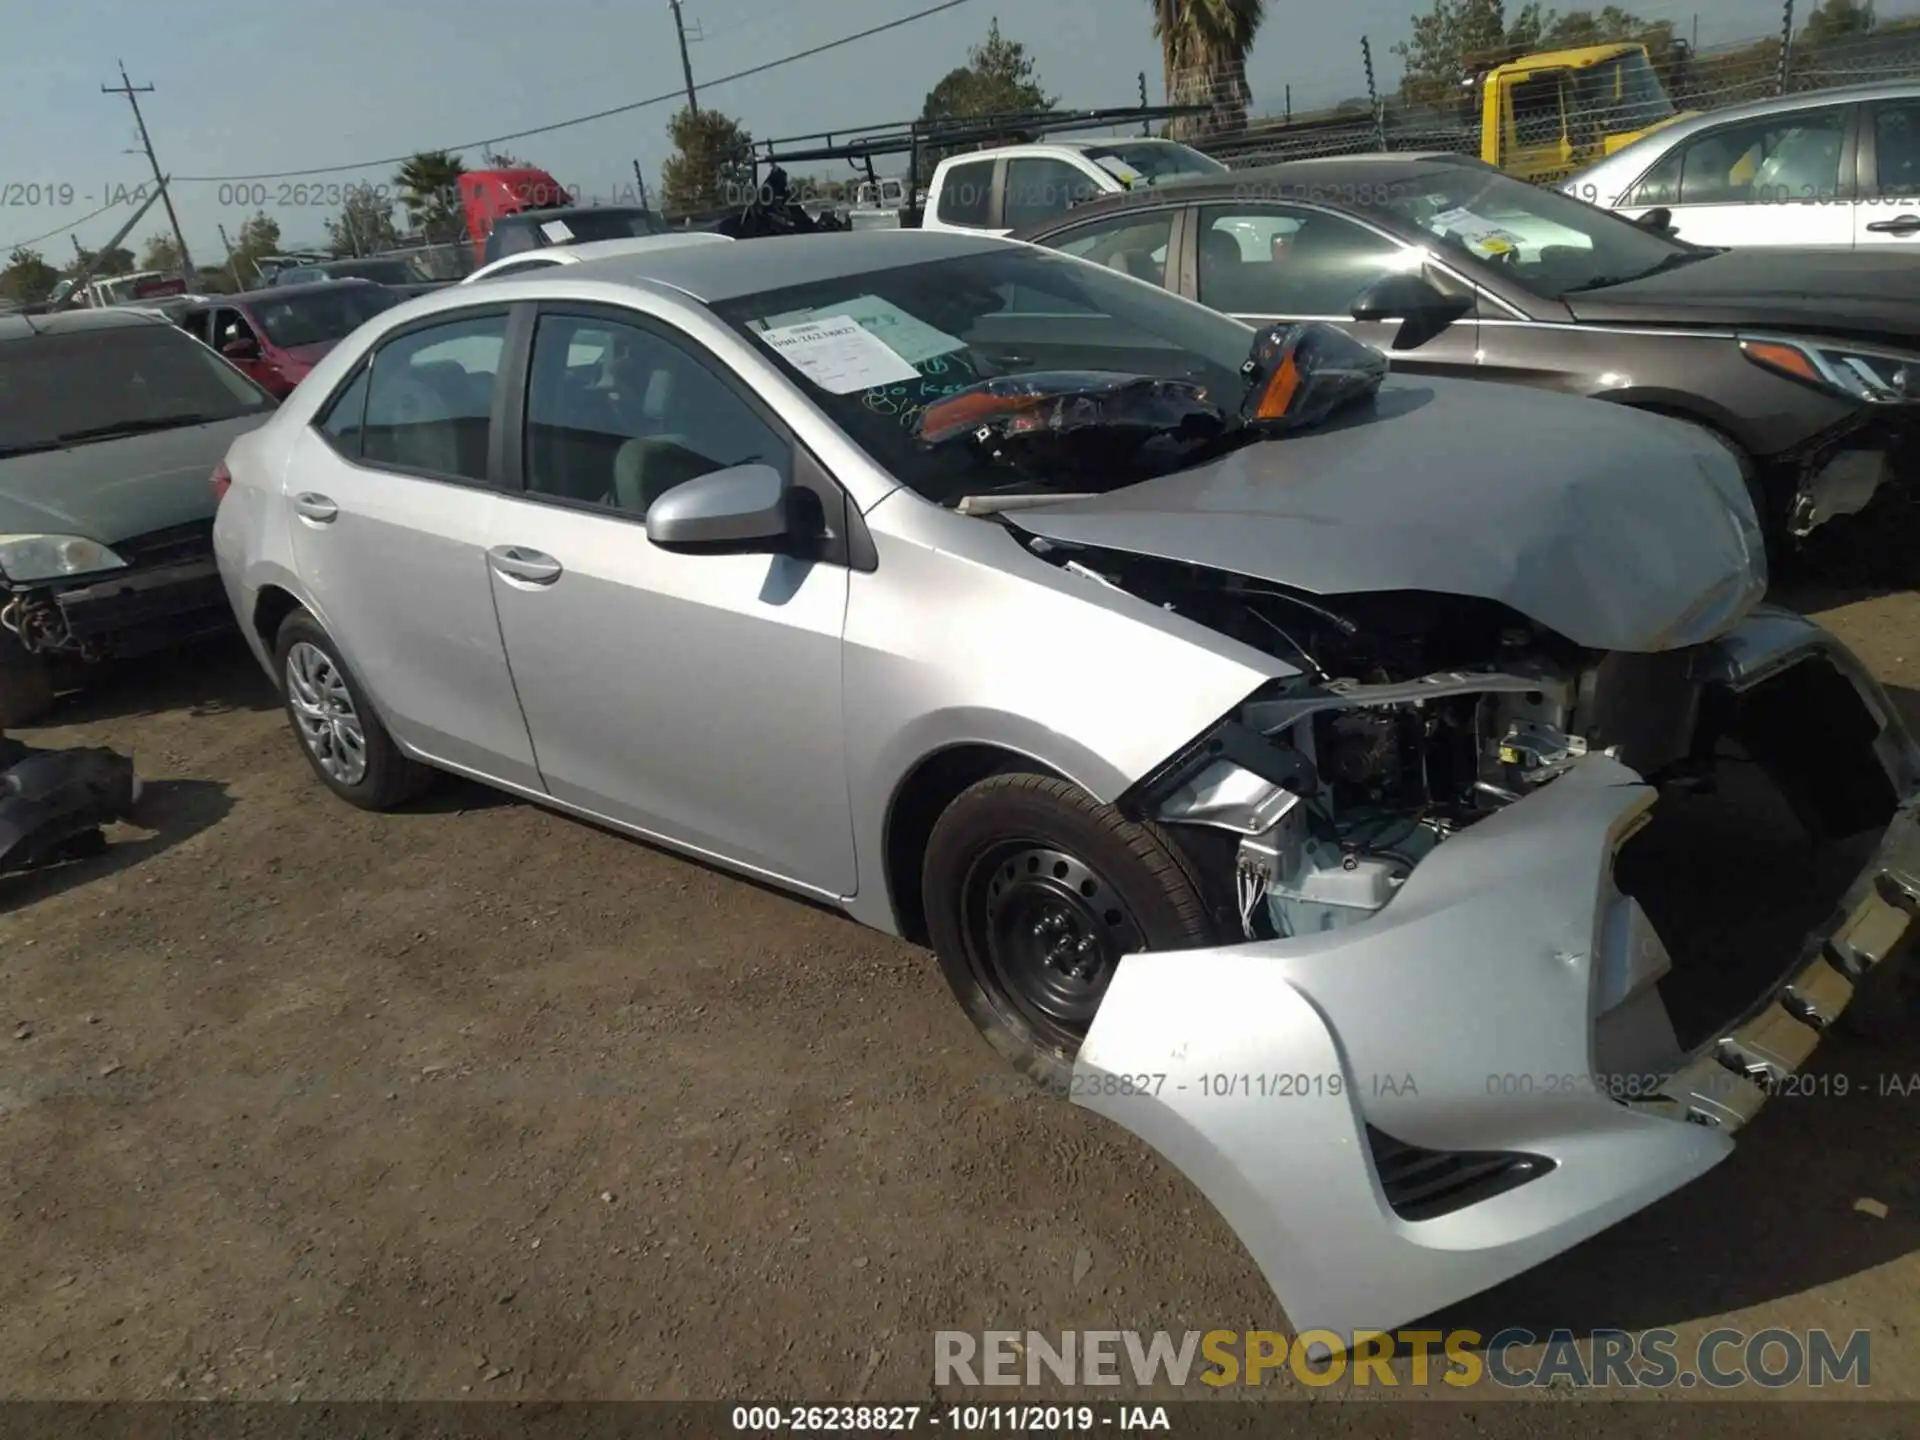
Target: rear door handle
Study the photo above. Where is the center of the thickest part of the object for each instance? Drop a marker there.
(317, 508)
(1899, 225)
(530, 567)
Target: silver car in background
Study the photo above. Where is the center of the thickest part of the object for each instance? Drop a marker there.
(1829, 169)
(1287, 797)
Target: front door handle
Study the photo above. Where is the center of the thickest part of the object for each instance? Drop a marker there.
(1899, 225)
(317, 508)
(516, 562)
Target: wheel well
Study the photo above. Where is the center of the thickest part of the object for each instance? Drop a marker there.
(919, 802)
(270, 610)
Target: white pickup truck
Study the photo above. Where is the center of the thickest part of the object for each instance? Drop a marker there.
(1003, 190)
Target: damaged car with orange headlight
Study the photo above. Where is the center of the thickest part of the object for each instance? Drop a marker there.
(1388, 797)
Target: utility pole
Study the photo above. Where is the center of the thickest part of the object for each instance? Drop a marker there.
(641, 181)
(233, 260)
(686, 61)
(133, 93)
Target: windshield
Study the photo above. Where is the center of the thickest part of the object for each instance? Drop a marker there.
(1548, 241)
(1158, 161)
(910, 336)
(86, 384)
(607, 224)
(321, 315)
(1621, 95)
(299, 275)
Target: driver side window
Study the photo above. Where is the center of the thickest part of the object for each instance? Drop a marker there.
(1279, 262)
(617, 415)
(1133, 244)
(230, 325)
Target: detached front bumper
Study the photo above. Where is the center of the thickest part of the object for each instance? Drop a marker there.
(1408, 1111)
(169, 593)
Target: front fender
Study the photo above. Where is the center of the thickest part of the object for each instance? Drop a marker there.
(961, 637)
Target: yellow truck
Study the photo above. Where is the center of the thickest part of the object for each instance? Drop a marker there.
(1545, 115)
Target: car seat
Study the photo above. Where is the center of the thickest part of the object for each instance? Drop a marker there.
(1221, 266)
(412, 422)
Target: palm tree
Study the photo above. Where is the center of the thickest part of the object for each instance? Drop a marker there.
(429, 185)
(1204, 46)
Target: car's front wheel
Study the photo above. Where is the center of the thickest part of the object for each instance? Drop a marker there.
(1034, 890)
(339, 732)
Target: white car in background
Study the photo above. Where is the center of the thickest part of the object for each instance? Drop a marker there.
(528, 261)
(1829, 169)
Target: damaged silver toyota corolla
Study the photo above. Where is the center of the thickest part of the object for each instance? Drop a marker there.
(1387, 797)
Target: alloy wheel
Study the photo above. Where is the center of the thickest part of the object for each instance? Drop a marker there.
(324, 714)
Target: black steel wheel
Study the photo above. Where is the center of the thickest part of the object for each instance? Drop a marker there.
(1045, 930)
(1034, 893)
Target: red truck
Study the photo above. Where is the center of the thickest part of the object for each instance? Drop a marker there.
(508, 211)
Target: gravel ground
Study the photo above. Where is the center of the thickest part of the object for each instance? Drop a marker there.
(475, 1101)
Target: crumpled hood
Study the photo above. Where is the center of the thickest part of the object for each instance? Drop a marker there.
(112, 490)
(1615, 529)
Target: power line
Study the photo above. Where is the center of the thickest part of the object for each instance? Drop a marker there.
(71, 225)
(662, 99)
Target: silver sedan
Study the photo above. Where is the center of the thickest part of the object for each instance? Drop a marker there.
(1284, 759)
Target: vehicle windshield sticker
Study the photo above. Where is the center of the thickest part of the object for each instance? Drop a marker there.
(839, 355)
(557, 231)
(1480, 233)
(914, 341)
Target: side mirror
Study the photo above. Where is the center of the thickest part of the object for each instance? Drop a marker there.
(1659, 220)
(241, 349)
(744, 509)
(1422, 310)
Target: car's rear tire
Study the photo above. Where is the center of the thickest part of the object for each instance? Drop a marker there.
(338, 730)
(1033, 891)
(26, 683)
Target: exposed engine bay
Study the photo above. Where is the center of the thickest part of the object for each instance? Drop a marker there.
(35, 618)
(1415, 716)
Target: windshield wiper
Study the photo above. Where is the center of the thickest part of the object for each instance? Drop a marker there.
(1672, 262)
(32, 447)
(132, 427)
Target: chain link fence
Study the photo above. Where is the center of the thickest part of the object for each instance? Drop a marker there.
(1703, 79)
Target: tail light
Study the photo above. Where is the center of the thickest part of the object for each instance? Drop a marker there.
(222, 479)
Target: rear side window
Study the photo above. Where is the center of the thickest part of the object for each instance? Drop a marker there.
(965, 194)
(342, 421)
(430, 399)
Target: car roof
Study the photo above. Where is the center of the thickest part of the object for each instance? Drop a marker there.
(540, 217)
(283, 292)
(712, 273)
(61, 322)
(1782, 104)
(1321, 176)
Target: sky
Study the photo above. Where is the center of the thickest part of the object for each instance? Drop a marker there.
(244, 89)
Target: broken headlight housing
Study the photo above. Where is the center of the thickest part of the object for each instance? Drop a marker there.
(1335, 791)
(1873, 377)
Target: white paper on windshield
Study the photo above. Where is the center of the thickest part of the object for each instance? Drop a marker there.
(1119, 169)
(557, 231)
(914, 341)
(839, 354)
(1479, 232)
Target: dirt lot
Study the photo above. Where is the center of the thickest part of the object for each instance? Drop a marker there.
(475, 1101)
